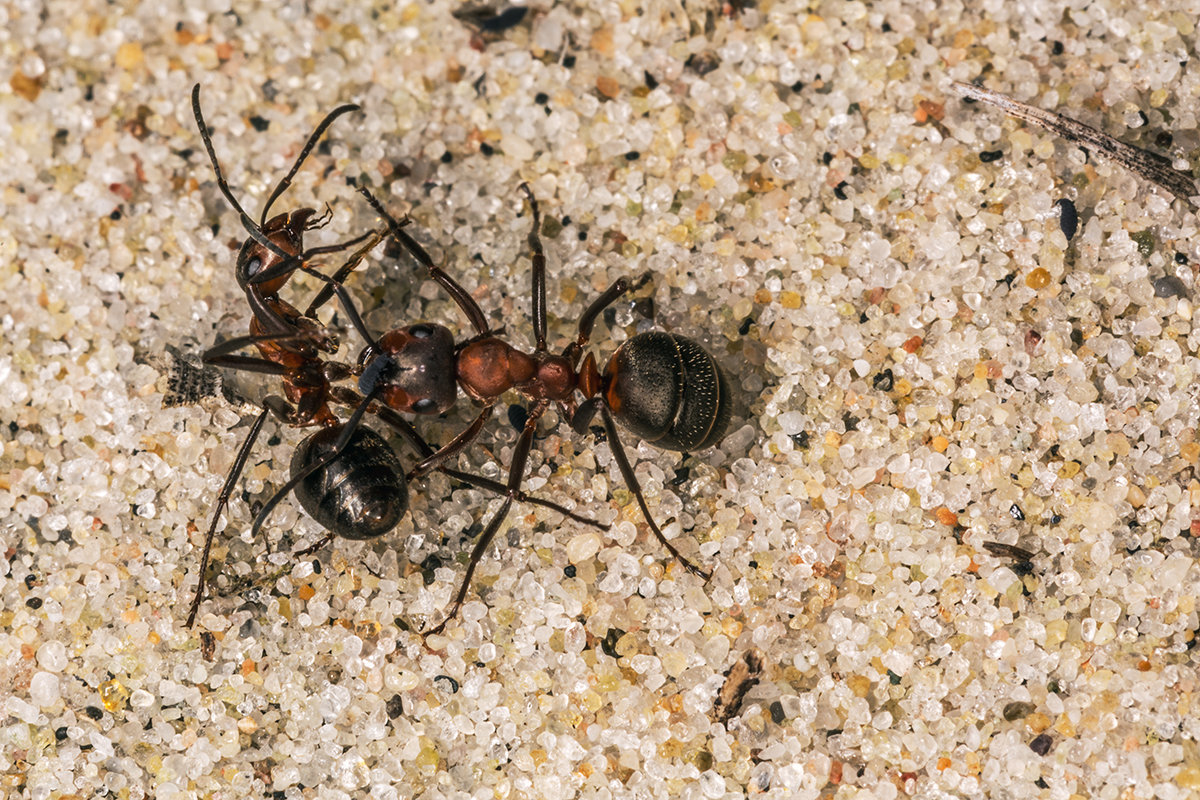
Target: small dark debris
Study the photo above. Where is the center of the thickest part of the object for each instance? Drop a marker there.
(486, 148)
(1068, 217)
(1009, 551)
(1016, 512)
(541, 98)
(703, 63)
(569, 570)
(744, 328)
(840, 190)
(1169, 286)
(316, 565)
(1041, 783)
(30, 580)
(777, 715)
(506, 19)
(1180, 258)
(851, 422)
(827, 158)
(259, 123)
(446, 683)
(651, 81)
(1164, 139)
(681, 476)
(884, 381)
(1056, 49)
(486, 19)
(1017, 710)
(800, 439)
(741, 677)
(893, 678)
(569, 62)
(797, 87)
(94, 713)
(395, 706)
(988, 156)
(1041, 745)
(608, 645)
(60, 733)
(447, 157)
(428, 566)
(34, 603)
(208, 645)
(632, 155)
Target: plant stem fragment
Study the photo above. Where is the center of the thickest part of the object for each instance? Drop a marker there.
(1150, 166)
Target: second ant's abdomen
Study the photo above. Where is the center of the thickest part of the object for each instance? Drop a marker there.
(361, 494)
(668, 390)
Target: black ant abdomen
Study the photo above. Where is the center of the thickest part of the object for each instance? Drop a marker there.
(362, 493)
(668, 390)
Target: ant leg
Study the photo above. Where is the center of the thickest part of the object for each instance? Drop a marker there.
(219, 355)
(588, 319)
(340, 445)
(222, 501)
(255, 231)
(406, 429)
(456, 446)
(631, 481)
(373, 238)
(292, 263)
(344, 298)
(539, 272)
(516, 471)
(453, 288)
(282, 186)
(619, 287)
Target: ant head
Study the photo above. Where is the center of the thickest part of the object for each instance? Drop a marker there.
(412, 368)
(265, 270)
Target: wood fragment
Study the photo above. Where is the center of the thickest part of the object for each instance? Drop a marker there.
(1150, 166)
(739, 680)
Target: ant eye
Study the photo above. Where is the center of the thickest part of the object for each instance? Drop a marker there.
(421, 331)
(424, 406)
(253, 266)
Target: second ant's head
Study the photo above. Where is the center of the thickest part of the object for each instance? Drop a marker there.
(412, 369)
(285, 231)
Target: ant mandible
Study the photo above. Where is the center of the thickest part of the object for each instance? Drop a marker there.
(347, 477)
(663, 387)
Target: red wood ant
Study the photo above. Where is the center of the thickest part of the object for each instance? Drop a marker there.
(346, 475)
(663, 387)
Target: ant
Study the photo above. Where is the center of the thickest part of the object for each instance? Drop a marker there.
(663, 387)
(347, 477)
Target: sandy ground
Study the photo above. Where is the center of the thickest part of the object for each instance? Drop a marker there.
(951, 527)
